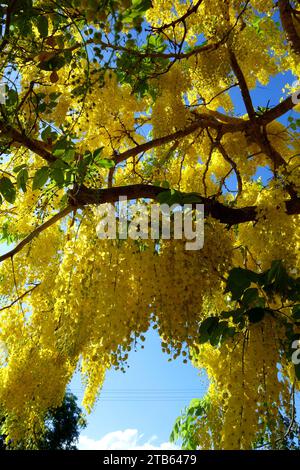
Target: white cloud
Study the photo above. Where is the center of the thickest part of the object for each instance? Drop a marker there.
(129, 439)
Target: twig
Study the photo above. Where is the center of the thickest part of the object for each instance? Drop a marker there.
(36, 232)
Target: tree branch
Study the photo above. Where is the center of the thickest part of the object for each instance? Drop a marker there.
(36, 232)
(37, 146)
(181, 19)
(278, 111)
(225, 214)
(203, 121)
(243, 85)
(212, 119)
(86, 196)
(233, 164)
(19, 298)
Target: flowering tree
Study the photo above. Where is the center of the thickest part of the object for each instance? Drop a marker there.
(135, 98)
(61, 432)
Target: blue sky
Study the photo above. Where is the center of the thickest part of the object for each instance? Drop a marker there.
(147, 398)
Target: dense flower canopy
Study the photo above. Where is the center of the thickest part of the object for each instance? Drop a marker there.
(141, 98)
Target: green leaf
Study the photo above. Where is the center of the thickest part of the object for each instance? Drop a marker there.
(69, 155)
(256, 314)
(250, 296)
(7, 189)
(42, 107)
(105, 163)
(53, 63)
(227, 314)
(192, 198)
(194, 403)
(296, 312)
(277, 275)
(238, 281)
(11, 97)
(61, 164)
(238, 316)
(97, 152)
(164, 197)
(170, 197)
(206, 329)
(40, 178)
(46, 133)
(60, 147)
(19, 168)
(42, 25)
(218, 332)
(57, 174)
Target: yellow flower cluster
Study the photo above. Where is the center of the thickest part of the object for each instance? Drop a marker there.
(246, 390)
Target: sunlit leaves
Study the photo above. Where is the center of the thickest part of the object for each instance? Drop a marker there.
(251, 301)
(40, 178)
(184, 426)
(214, 330)
(7, 189)
(22, 178)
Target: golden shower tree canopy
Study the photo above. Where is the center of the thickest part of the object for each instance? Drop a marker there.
(155, 101)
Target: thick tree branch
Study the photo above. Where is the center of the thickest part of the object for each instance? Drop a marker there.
(86, 196)
(34, 145)
(212, 119)
(203, 121)
(261, 137)
(192, 9)
(276, 112)
(225, 214)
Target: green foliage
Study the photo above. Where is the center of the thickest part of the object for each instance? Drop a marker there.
(214, 330)
(294, 123)
(296, 312)
(251, 305)
(238, 281)
(250, 291)
(185, 428)
(6, 236)
(7, 189)
(286, 436)
(137, 10)
(172, 196)
(40, 178)
(144, 63)
(62, 428)
(22, 176)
